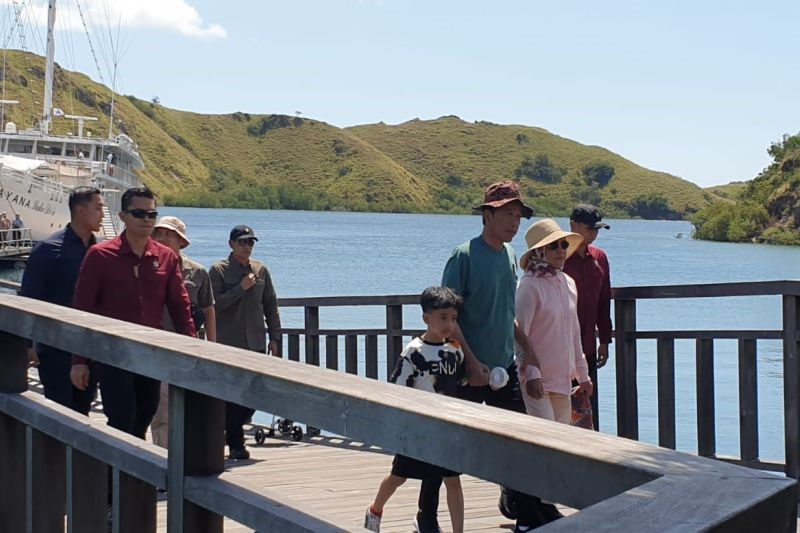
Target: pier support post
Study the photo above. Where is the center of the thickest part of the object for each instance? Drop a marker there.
(394, 337)
(13, 447)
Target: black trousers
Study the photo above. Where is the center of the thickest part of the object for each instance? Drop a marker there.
(235, 417)
(54, 367)
(129, 400)
(510, 398)
(591, 360)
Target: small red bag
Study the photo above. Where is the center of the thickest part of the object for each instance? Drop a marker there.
(581, 410)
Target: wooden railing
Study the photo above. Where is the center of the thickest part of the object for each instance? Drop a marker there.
(49, 454)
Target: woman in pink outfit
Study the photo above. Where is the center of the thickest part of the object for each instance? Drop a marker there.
(546, 310)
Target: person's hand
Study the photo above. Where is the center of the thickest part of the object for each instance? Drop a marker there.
(602, 355)
(248, 281)
(534, 388)
(33, 359)
(586, 388)
(79, 376)
(477, 374)
(272, 349)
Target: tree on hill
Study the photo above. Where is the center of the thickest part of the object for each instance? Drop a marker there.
(539, 169)
(599, 173)
(652, 206)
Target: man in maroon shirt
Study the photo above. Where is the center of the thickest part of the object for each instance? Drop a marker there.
(589, 268)
(131, 277)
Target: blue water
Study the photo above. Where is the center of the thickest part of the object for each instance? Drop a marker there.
(322, 253)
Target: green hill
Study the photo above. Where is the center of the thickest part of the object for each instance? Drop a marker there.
(279, 161)
(767, 209)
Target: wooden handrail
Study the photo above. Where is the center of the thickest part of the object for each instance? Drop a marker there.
(619, 484)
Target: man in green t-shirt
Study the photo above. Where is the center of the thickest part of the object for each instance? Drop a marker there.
(483, 271)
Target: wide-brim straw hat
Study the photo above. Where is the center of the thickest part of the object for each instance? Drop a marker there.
(174, 224)
(543, 232)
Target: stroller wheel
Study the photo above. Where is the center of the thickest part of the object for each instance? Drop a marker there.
(297, 433)
(260, 436)
(284, 426)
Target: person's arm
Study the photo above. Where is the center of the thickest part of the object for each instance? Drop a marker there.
(581, 366)
(269, 302)
(222, 298)
(205, 300)
(37, 271)
(211, 323)
(526, 302)
(604, 314)
(87, 292)
(178, 303)
(455, 275)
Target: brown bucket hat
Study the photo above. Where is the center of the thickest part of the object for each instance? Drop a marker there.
(504, 192)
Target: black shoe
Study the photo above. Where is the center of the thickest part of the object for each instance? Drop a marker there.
(550, 512)
(239, 454)
(506, 506)
(420, 526)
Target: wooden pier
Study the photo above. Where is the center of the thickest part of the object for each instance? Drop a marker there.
(17, 245)
(616, 484)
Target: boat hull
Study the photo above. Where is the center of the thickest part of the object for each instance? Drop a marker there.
(43, 205)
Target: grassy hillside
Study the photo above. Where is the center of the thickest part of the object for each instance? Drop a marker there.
(767, 209)
(278, 161)
(458, 159)
(729, 191)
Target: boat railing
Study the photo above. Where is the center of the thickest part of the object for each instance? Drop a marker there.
(49, 454)
(15, 242)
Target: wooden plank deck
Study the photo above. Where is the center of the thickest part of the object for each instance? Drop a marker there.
(341, 477)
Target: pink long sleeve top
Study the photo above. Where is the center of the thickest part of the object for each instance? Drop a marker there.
(546, 310)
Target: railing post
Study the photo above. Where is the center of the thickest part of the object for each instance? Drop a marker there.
(351, 354)
(666, 392)
(196, 448)
(706, 422)
(791, 384)
(13, 441)
(371, 356)
(627, 393)
(134, 504)
(394, 337)
(332, 352)
(748, 400)
(312, 335)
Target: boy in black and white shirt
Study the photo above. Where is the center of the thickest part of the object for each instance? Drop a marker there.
(433, 363)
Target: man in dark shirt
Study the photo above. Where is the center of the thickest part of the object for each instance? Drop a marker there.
(131, 278)
(589, 268)
(50, 275)
(244, 299)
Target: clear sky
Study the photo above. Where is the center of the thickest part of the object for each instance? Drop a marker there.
(696, 89)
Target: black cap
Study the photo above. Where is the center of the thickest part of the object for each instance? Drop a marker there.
(242, 231)
(589, 215)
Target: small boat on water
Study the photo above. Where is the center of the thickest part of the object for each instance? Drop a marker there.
(38, 169)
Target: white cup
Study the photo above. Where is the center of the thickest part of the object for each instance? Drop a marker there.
(498, 378)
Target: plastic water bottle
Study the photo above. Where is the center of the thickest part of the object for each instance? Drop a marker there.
(498, 378)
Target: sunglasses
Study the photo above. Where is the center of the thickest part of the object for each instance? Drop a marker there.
(142, 213)
(246, 242)
(553, 246)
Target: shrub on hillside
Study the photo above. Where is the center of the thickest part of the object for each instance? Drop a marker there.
(722, 221)
(652, 206)
(599, 173)
(539, 169)
(269, 123)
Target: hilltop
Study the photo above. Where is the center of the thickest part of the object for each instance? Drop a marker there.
(766, 209)
(279, 161)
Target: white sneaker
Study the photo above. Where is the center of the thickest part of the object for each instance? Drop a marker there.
(372, 521)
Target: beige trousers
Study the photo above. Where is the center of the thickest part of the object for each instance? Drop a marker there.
(158, 427)
(552, 406)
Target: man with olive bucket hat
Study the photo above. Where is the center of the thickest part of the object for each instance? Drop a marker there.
(546, 310)
(483, 271)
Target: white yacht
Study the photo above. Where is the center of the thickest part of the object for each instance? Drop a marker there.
(38, 169)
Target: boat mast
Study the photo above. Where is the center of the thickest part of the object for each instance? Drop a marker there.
(48, 73)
